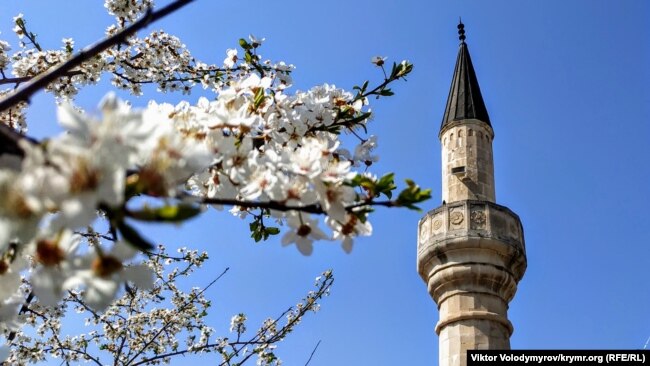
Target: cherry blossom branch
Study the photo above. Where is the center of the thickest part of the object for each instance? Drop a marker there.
(9, 141)
(311, 299)
(84, 353)
(189, 74)
(199, 74)
(40, 82)
(30, 36)
(193, 296)
(17, 81)
(313, 208)
(79, 301)
(95, 236)
(238, 346)
(272, 205)
(58, 342)
(399, 71)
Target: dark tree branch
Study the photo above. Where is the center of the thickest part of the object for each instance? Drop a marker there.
(41, 81)
(17, 80)
(313, 208)
(272, 205)
(9, 141)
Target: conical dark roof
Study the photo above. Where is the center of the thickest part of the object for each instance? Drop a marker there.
(465, 100)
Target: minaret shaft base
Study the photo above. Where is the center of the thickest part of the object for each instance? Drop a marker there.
(470, 334)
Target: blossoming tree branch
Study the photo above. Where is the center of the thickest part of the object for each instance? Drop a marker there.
(270, 155)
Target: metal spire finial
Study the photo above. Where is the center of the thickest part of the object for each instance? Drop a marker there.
(461, 30)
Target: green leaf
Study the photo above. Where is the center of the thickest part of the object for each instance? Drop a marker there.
(130, 234)
(243, 44)
(400, 70)
(396, 69)
(272, 230)
(404, 69)
(248, 57)
(412, 194)
(386, 185)
(362, 89)
(254, 225)
(167, 213)
(257, 228)
(259, 231)
(386, 93)
(257, 235)
(259, 97)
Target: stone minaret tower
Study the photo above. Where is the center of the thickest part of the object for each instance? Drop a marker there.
(471, 251)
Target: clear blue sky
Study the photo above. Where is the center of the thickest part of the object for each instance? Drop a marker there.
(566, 87)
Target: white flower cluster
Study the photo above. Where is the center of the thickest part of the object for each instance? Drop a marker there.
(159, 58)
(274, 156)
(127, 10)
(4, 57)
(131, 326)
(149, 327)
(32, 60)
(253, 144)
(14, 117)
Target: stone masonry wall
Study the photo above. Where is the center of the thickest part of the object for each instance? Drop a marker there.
(468, 144)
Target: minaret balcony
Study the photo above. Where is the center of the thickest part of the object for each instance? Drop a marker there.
(466, 232)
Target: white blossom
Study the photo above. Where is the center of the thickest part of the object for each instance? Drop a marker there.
(304, 231)
(231, 58)
(345, 230)
(100, 275)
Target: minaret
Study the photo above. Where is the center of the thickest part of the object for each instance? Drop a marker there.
(471, 251)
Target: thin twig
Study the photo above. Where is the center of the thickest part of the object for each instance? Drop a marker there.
(286, 329)
(40, 82)
(312, 353)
